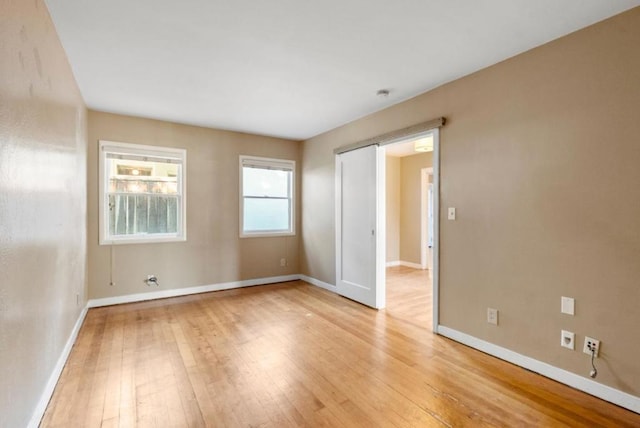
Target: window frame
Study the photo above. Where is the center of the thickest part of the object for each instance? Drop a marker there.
(140, 150)
(268, 163)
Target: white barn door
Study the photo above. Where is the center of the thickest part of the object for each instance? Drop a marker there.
(360, 240)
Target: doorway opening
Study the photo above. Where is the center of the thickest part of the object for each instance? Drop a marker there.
(410, 198)
(361, 219)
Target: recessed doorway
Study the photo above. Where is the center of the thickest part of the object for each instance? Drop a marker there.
(410, 229)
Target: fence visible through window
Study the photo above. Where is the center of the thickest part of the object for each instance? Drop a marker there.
(144, 192)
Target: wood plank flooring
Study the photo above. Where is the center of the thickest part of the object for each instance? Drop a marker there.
(409, 296)
(292, 354)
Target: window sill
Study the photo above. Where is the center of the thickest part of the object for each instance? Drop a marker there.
(266, 234)
(143, 240)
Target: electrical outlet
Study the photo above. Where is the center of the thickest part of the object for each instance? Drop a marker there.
(568, 339)
(589, 344)
(492, 316)
(283, 262)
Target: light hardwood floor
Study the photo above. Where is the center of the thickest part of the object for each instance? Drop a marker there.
(293, 354)
(409, 296)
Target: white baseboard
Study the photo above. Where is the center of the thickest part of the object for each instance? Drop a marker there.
(174, 292)
(318, 283)
(38, 413)
(411, 265)
(403, 263)
(599, 390)
(589, 386)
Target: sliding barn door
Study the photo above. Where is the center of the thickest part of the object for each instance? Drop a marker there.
(359, 217)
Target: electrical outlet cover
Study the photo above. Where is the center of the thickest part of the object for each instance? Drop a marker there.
(595, 342)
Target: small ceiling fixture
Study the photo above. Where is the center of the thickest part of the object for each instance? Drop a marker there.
(424, 144)
(382, 93)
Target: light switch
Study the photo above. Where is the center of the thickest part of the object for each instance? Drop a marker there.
(451, 214)
(567, 305)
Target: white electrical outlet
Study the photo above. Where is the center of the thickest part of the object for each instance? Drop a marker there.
(492, 316)
(568, 339)
(590, 344)
(283, 262)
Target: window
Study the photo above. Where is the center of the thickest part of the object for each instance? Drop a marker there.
(142, 193)
(266, 197)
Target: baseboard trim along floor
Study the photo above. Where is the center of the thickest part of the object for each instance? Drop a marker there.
(573, 380)
(175, 292)
(589, 386)
(318, 283)
(404, 263)
(46, 395)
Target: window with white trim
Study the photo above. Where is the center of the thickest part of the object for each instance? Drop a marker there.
(142, 193)
(266, 197)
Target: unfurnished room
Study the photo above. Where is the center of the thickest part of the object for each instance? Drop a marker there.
(319, 213)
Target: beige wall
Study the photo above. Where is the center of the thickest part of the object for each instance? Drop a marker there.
(403, 175)
(393, 208)
(411, 203)
(42, 206)
(213, 252)
(540, 157)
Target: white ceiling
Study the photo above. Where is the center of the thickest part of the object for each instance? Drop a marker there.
(294, 68)
(400, 150)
